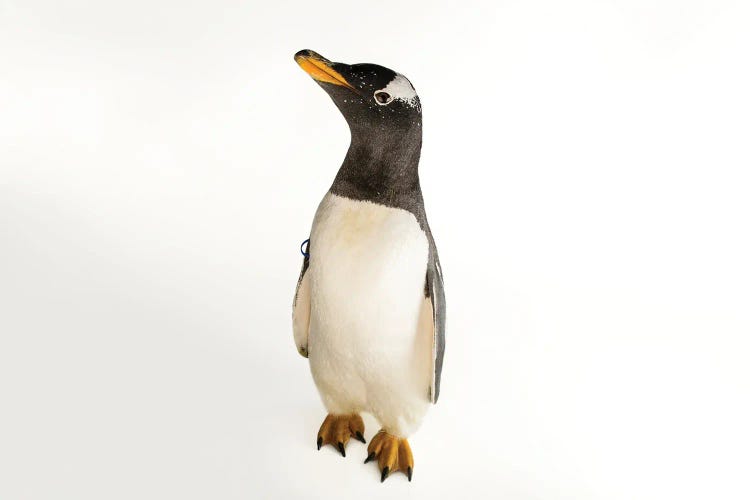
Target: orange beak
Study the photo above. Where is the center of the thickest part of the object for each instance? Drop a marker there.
(320, 68)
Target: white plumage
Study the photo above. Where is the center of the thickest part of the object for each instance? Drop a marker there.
(361, 314)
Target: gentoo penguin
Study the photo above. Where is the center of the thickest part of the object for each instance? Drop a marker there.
(369, 309)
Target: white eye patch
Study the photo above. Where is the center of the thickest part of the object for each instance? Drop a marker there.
(398, 88)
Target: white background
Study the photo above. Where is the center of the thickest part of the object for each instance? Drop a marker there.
(585, 169)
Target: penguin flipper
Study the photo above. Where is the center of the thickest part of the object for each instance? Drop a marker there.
(434, 291)
(301, 309)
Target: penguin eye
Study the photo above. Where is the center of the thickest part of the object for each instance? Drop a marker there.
(383, 97)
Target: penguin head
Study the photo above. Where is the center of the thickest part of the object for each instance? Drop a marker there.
(369, 96)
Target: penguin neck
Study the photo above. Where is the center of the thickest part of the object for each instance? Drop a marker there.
(382, 166)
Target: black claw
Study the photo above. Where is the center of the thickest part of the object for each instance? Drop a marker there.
(360, 437)
(384, 474)
(320, 441)
(408, 473)
(370, 457)
(341, 449)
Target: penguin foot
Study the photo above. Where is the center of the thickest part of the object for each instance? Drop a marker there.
(393, 453)
(337, 429)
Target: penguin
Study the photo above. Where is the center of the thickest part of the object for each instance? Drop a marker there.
(369, 308)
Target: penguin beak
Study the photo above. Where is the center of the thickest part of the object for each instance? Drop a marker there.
(320, 68)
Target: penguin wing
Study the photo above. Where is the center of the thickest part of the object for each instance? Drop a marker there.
(301, 309)
(434, 291)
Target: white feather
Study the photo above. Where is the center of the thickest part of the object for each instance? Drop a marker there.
(301, 315)
(400, 88)
(368, 347)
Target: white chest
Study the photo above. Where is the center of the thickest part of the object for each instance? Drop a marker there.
(368, 265)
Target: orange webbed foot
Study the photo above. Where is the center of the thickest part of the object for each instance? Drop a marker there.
(337, 429)
(393, 454)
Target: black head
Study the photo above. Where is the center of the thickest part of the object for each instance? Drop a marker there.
(369, 96)
(385, 119)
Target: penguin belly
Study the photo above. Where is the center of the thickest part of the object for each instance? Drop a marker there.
(368, 348)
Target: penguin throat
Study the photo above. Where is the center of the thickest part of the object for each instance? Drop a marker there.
(381, 166)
